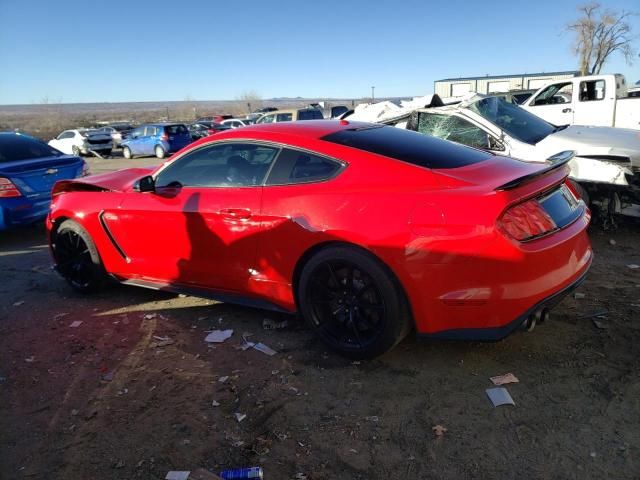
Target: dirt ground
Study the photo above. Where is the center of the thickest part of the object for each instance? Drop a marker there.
(134, 391)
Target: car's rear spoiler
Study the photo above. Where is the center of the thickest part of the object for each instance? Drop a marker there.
(555, 161)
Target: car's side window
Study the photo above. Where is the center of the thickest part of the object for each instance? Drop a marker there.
(295, 166)
(267, 119)
(64, 135)
(454, 129)
(284, 117)
(149, 131)
(554, 94)
(592, 90)
(137, 133)
(220, 165)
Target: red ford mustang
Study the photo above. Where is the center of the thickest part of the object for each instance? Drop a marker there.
(366, 230)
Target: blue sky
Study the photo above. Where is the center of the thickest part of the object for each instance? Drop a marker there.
(77, 51)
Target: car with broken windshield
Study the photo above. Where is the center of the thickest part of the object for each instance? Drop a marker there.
(606, 165)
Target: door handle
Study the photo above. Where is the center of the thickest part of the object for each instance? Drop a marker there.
(235, 213)
(566, 110)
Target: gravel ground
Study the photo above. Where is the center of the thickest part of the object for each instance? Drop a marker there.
(133, 391)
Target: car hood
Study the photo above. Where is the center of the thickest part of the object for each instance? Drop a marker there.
(118, 181)
(596, 142)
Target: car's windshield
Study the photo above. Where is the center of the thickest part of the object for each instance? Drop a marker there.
(515, 121)
(14, 147)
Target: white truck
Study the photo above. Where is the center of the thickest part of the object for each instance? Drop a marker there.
(596, 100)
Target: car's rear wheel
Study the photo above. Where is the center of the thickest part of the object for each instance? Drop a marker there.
(160, 153)
(353, 302)
(126, 152)
(77, 258)
(76, 151)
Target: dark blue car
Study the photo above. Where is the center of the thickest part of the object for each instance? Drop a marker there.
(157, 139)
(28, 170)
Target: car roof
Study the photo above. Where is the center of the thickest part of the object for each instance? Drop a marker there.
(306, 129)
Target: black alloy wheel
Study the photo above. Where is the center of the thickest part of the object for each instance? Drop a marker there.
(77, 258)
(352, 302)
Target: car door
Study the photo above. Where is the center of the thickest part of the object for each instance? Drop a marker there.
(64, 142)
(135, 140)
(555, 104)
(149, 140)
(594, 104)
(199, 227)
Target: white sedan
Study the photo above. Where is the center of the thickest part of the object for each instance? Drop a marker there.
(82, 142)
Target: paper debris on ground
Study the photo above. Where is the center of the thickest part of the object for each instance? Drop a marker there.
(223, 379)
(17, 304)
(578, 295)
(439, 430)
(633, 266)
(598, 314)
(215, 403)
(240, 416)
(261, 347)
(150, 316)
(76, 324)
(269, 324)
(177, 475)
(599, 325)
(499, 396)
(504, 379)
(218, 336)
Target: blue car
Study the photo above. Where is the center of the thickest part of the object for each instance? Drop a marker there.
(157, 139)
(28, 169)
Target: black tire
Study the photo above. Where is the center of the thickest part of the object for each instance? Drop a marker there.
(77, 258)
(353, 302)
(76, 151)
(126, 152)
(159, 151)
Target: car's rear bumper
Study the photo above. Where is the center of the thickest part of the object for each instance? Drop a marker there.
(22, 211)
(485, 292)
(490, 334)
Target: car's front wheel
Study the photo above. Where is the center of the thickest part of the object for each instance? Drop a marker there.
(353, 302)
(126, 152)
(77, 258)
(160, 153)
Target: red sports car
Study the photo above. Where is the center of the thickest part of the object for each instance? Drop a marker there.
(366, 230)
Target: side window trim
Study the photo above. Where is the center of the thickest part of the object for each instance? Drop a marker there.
(342, 165)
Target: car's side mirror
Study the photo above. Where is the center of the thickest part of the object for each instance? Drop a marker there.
(145, 184)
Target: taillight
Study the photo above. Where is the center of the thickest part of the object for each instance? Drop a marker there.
(8, 189)
(526, 221)
(164, 136)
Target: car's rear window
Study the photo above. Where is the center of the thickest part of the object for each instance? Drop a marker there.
(408, 146)
(176, 129)
(15, 147)
(310, 115)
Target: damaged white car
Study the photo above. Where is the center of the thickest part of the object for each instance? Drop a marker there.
(606, 163)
